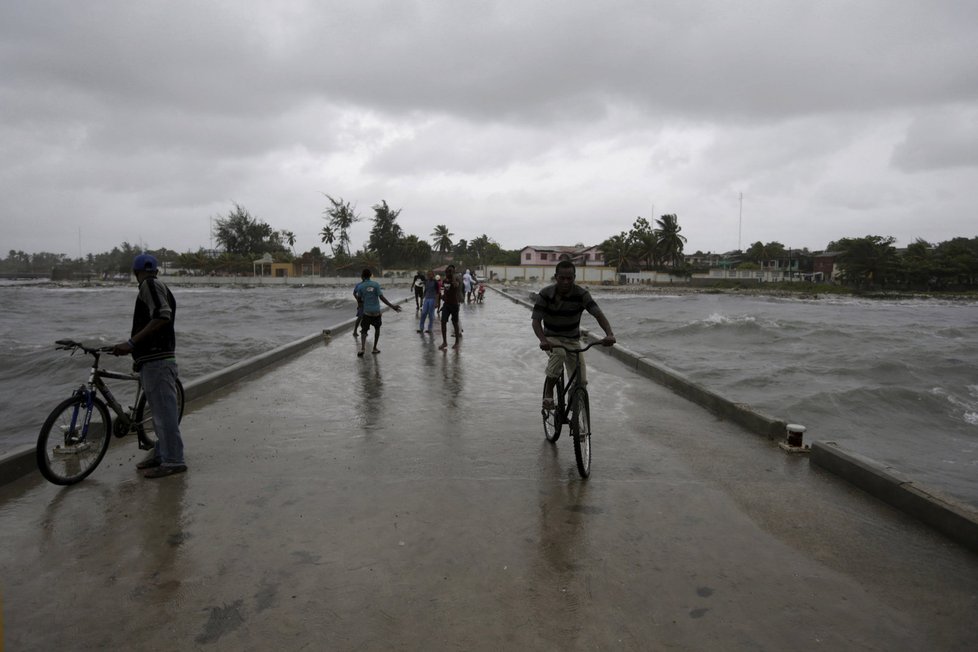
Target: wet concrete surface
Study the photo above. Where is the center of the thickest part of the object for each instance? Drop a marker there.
(408, 500)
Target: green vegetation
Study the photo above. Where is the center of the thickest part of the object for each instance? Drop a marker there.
(643, 247)
(239, 233)
(243, 238)
(869, 265)
(873, 263)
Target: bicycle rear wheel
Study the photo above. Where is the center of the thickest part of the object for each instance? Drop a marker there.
(553, 419)
(66, 455)
(143, 419)
(580, 425)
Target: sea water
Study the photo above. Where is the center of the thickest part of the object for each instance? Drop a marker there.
(216, 327)
(894, 380)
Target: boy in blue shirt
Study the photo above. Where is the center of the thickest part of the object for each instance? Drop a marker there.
(369, 293)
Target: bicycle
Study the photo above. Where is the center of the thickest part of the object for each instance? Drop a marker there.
(74, 438)
(571, 406)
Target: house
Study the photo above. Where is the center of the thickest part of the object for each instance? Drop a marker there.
(824, 269)
(579, 255)
(305, 265)
(700, 259)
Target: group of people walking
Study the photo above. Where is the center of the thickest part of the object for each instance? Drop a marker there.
(472, 289)
(434, 295)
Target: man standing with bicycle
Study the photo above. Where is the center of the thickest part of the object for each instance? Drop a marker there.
(557, 321)
(153, 344)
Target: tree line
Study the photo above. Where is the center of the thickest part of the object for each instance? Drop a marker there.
(645, 247)
(869, 262)
(242, 238)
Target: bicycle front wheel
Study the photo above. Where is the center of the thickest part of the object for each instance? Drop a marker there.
(143, 418)
(580, 424)
(553, 420)
(66, 451)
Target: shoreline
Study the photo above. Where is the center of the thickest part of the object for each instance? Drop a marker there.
(778, 291)
(804, 291)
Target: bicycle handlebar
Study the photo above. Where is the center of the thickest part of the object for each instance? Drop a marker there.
(569, 350)
(71, 345)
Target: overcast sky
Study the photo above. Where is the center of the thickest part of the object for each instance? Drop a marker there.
(532, 122)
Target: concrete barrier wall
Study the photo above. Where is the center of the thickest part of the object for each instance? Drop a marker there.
(955, 520)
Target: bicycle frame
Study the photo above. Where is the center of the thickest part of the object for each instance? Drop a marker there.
(571, 383)
(96, 385)
(571, 407)
(77, 433)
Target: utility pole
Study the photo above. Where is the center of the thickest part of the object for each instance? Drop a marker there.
(740, 223)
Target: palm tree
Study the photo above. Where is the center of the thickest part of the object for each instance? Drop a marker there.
(617, 251)
(670, 242)
(415, 251)
(442, 239)
(290, 238)
(647, 248)
(479, 247)
(386, 234)
(328, 237)
(342, 217)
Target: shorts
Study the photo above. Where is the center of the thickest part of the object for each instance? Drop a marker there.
(368, 321)
(449, 310)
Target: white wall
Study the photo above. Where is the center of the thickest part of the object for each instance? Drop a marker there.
(545, 273)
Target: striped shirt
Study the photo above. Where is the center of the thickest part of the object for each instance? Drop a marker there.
(561, 315)
(154, 301)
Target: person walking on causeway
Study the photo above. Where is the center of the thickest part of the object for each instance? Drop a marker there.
(418, 285)
(451, 297)
(429, 307)
(371, 294)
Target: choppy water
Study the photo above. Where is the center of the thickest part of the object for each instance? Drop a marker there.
(216, 327)
(896, 381)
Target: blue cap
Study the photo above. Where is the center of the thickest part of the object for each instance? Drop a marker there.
(145, 263)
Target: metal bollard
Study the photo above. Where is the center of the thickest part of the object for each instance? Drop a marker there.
(793, 439)
(795, 434)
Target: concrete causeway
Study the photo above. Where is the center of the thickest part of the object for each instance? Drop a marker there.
(408, 501)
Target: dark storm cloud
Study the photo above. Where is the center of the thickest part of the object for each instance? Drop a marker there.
(171, 110)
(939, 139)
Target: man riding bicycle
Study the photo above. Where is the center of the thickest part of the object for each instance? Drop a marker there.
(557, 321)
